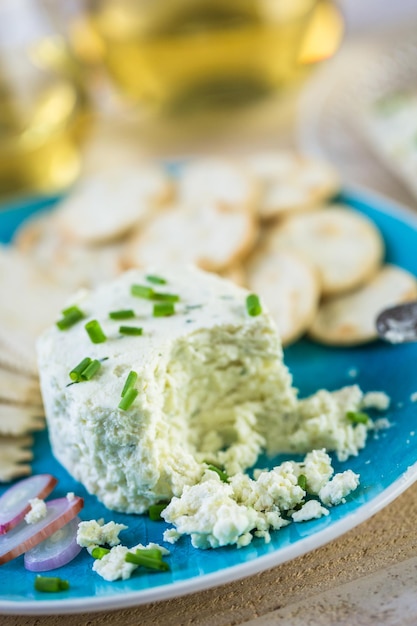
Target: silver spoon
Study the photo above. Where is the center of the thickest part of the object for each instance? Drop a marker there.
(398, 324)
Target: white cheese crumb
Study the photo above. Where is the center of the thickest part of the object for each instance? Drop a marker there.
(336, 490)
(37, 511)
(375, 400)
(381, 424)
(413, 397)
(70, 496)
(113, 566)
(310, 510)
(318, 470)
(93, 533)
(171, 535)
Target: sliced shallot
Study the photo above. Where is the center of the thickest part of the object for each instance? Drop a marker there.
(25, 536)
(55, 551)
(14, 503)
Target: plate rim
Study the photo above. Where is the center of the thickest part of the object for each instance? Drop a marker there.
(355, 193)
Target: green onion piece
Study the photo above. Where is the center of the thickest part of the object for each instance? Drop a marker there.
(165, 297)
(156, 280)
(142, 291)
(357, 417)
(302, 481)
(221, 473)
(147, 558)
(71, 316)
(122, 315)
(163, 309)
(128, 399)
(75, 374)
(253, 306)
(130, 330)
(50, 583)
(90, 370)
(95, 332)
(98, 552)
(130, 381)
(155, 511)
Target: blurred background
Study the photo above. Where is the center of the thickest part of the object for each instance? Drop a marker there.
(87, 84)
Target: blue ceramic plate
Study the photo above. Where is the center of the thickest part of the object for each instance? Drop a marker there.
(387, 465)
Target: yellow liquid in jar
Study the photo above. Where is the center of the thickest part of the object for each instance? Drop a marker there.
(184, 56)
(39, 140)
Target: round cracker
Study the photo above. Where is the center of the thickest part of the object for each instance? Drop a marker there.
(292, 183)
(220, 181)
(290, 287)
(212, 237)
(106, 206)
(344, 245)
(349, 319)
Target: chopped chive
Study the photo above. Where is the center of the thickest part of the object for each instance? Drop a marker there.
(142, 291)
(221, 473)
(144, 558)
(75, 374)
(128, 399)
(50, 583)
(130, 330)
(95, 332)
(91, 369)
(130, 381)
(163, 309)
(357, 417)
(156, 280)
(98, 552)
(155, 511)
(165, 297)
(302, 482)
(71, 316)
(253, 306)
(122, 314)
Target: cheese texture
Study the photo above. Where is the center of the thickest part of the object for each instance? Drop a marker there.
(212, 388)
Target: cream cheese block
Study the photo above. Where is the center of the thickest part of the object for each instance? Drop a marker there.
(211, 387)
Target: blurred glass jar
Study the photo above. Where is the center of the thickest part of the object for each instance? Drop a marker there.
(181, 57)
(43, 104)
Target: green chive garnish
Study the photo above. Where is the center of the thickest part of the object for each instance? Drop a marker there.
(98, 552)
(95, 332)
(50, 583)
(253, 306)
(122, 315)
(142, 291)
(221, 473)
(128, 399)
(165, 297)
(302, 482)
(147, 558)
(156, 280)
(71, 316)
(91, 369)
(163, 309)
(155, 511)
(130, 330)
(130, 382)
(357, 417)
(75, 374)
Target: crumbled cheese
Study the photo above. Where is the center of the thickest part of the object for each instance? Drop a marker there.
(382, 423)
(375, 400)
(70, 496)
(93, 533)
(217, 514)
(336, 490)
(113, 566)
(413, 397)
(310, 510)
(37, 511)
